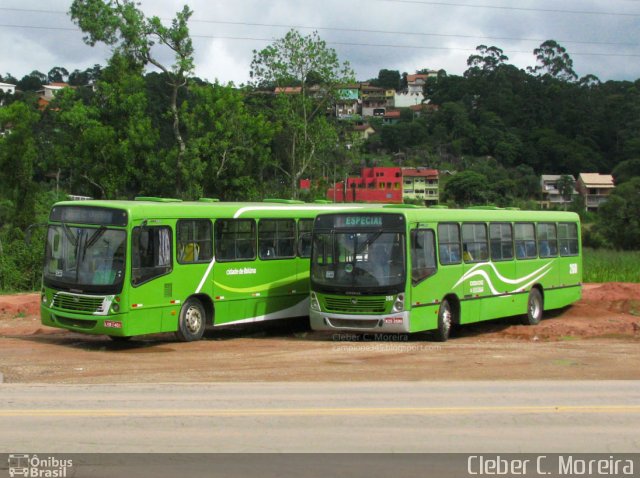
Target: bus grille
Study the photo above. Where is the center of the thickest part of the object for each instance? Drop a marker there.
(79, 303)
(355, 305)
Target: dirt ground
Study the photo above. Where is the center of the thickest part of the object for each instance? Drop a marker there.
(596, 338)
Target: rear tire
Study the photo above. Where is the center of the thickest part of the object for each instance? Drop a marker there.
(535, 308)
(192, 321)
(445, 321)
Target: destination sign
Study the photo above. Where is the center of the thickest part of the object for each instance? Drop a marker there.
(363, 221)
(360, 221)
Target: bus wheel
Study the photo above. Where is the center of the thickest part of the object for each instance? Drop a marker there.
(445, 319)
(192, 321)
(534, 308)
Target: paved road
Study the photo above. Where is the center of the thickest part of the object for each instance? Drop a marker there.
(471, 417)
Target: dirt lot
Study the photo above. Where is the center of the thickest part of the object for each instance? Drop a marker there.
(597, 338)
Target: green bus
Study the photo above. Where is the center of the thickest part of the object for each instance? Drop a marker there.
(126, 268)
(403, 269)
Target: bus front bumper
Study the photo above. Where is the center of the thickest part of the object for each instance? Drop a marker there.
(392, 323)
(114, 324)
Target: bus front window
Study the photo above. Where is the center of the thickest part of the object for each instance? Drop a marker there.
(85, 257)
(365, 261)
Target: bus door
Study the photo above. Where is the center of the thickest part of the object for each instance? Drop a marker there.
(477, 272)
(423, 268)
(151, 266)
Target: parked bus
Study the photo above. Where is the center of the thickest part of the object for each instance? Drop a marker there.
(403, 269)
(125, 268)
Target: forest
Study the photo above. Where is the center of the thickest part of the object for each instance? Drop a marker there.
(137, 126)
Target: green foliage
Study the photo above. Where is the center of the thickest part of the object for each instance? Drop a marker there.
(132, 35)
(619, 216)
(305, 137)
(610, 266)
(466, 188)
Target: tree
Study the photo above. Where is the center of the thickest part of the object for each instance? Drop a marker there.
(487, 59)
(18, 154)
(553, 60)
(387, 79)
(626, 170)
(566, 186)
(228, 144)
(32, 82)
(129, 32)
(57, 74)
(305, 133)
(619, 216)
(466, 188)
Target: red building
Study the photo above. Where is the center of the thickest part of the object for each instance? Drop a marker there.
(382, 185)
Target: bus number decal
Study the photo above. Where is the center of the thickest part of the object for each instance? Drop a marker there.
(573, 269)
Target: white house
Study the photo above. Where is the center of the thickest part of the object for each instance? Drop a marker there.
(8, 88)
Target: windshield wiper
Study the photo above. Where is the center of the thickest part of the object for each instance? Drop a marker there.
(92, 240)
(368, 242)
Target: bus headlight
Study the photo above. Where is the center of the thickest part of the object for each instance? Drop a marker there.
(398, 305)
(315, 305)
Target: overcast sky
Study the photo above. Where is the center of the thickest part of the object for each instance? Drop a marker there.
(602, 36)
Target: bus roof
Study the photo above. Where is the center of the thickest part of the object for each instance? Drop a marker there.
(423, 214)
(172, 209)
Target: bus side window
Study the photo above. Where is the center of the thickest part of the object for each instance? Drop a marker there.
(235, 239)
(276, 238)
(423, 254)
(474, 242)
(501, 237)
(568, 239)
(305, 226)
(150, 253)
(547, 240)
(525, 235)
(194, 241)
(449, 243)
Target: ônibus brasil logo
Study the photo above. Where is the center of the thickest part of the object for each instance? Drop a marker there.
(37, 467)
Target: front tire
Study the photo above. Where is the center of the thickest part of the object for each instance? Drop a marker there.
(192, 321)
(445, 321)
(535, 308)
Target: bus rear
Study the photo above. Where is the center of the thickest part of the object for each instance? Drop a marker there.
(359, 272)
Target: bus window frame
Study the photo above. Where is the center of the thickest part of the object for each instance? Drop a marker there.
(194, 241)
(452, 263)
(539, 241)
(218, 241)
(513, 251)
(300, 238)
(169, 268)
(534, 240)
(412, 238)
(577, 239)
(276, 238)
(472, 260)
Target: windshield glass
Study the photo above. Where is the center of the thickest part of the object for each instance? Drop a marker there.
(85, 257)
(359, 261)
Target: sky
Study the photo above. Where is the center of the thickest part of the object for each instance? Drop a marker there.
(601, 36)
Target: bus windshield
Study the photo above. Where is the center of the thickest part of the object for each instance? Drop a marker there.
(87, 258)
(371, 262)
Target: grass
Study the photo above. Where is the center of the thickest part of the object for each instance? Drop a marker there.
(603, 265)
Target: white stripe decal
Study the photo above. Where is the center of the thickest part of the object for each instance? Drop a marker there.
(206, 274)
(301, 309)
(285, 207)
(470, 272)
(524, 287)
(474, 272)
